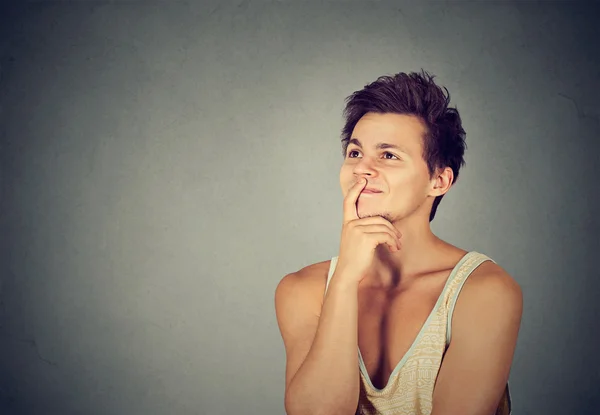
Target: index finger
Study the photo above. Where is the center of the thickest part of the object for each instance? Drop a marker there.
(350, 212)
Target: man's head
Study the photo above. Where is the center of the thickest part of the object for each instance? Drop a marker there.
(409, 112)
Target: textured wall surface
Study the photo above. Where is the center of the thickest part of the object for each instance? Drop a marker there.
(164, 165)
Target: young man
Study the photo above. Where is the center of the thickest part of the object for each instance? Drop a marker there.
(381, 328)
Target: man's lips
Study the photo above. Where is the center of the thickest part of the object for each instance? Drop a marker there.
(371, 191)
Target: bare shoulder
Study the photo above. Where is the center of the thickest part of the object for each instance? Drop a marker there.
(490, 276)
(303, 288)
(492, 289)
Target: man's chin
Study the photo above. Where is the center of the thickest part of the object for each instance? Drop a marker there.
(385, 215)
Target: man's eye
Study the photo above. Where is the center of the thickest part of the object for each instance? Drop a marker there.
(352, 152)
(389, 154)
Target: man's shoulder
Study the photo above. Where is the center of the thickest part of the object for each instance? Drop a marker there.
(309, 276)
(491, 283)
(490, 275)
(307, 283)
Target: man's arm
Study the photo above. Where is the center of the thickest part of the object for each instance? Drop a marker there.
(485, 325)
(322, 353)
(321, 344)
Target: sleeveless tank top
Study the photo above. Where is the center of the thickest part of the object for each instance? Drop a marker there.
(409, 389)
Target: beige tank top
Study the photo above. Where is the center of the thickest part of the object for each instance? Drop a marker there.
(409, 389)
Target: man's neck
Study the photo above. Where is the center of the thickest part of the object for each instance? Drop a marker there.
(418, 247)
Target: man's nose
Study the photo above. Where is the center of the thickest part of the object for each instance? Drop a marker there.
(365, 167)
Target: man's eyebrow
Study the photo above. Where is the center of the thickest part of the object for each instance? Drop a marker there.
(379, 146)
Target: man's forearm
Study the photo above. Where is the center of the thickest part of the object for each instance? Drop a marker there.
(327, 382)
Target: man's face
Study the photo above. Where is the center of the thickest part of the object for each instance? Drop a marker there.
(387, 149)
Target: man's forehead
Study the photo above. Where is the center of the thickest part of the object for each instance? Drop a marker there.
(400, 131)
(391, 123)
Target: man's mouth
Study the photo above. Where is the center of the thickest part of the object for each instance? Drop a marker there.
(371, 191)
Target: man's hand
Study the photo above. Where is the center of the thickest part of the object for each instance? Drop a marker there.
(360, 237)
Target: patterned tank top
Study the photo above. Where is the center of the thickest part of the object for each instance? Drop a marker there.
(409, 389)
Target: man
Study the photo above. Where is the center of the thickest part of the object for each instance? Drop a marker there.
(400, 322)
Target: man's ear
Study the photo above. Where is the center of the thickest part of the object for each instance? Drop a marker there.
(442, 181)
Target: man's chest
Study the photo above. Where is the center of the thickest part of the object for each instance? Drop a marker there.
(389, 322)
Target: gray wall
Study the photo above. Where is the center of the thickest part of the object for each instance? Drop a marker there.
(165, 164)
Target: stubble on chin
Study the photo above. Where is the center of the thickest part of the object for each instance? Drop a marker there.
(384, 215)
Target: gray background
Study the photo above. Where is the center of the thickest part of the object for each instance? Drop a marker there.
(164, 165)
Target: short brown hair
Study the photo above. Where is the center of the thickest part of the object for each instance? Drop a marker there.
(414, 94)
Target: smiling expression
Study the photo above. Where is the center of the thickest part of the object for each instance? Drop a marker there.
(387, 149)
